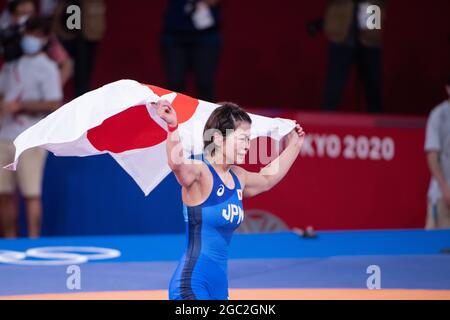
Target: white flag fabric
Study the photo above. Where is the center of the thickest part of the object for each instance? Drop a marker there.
(118, 119)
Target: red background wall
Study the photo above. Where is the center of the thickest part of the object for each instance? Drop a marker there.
(269, 59)
(364, 190)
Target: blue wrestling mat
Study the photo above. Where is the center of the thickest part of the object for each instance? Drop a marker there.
(406, 259)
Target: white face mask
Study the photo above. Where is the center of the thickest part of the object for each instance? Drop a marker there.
(31, 44)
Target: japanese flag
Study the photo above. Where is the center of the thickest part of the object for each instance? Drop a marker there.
(118, 119)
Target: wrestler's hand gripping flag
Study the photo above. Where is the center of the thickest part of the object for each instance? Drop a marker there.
(118, 119)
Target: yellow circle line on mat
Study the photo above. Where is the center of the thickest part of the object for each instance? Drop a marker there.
(258, 294)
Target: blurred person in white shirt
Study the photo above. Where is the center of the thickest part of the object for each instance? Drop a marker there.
(437, 147)
(30, 92)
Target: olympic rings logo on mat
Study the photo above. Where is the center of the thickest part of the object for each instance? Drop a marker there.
(57, 256)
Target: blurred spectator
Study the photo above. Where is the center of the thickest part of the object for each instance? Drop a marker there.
(16, 12)
(351, 42)
(81, 44)
(29, 93)
(12, 23)
(191, 41)
(47, 7)
(59, 55)
(437, 147)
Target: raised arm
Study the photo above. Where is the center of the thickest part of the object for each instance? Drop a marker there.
(186, 171)
(270, 175)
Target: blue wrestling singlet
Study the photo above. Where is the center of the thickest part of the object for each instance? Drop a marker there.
(202, 272)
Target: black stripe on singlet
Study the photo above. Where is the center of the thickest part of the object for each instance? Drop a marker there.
(193, 252)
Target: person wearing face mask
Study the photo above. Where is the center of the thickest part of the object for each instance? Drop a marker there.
(31, 92)
(12, 24)
(17, 12)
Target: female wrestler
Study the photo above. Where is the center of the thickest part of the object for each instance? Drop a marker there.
(212, 191)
